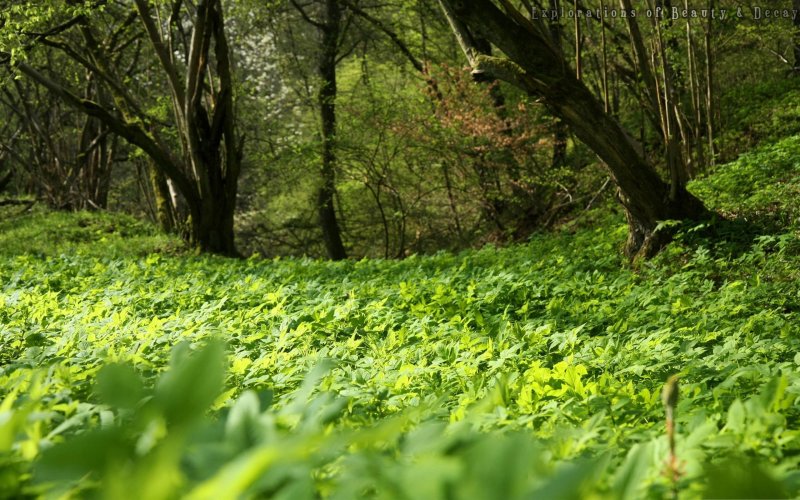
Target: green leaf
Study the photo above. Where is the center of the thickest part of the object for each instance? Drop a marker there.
(742, 478)
(119, 385)
(185, 392)
(632, 477)
(91, 453)
(242, 425)
(736, 417)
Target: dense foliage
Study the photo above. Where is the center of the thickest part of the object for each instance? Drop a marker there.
(396, 141)
(535, 369)
(136, 362)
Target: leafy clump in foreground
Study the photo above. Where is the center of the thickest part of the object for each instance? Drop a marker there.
(157, 444)
(444, 367)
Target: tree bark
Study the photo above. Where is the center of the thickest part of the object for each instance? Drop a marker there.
(208, 172)
(535, 66)
(164, 209)
(96, 161)
(330, 28)
(212, 226)
(5, 178)
(560, 132)
(711, 113)
(796, 39)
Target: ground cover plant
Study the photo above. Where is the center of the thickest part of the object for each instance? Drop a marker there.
(533, 370)
(567, 250)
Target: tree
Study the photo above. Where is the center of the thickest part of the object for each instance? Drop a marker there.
(6, 172)
(512, 203)
(65, 157)
(203, 117)
(329, 27)
(533, 64)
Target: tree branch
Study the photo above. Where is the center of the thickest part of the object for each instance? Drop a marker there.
(306, 17)
(132, 132)
(161, 49)
(113, 83)
(388, 32)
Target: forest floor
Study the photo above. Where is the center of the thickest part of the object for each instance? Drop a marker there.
(129, 366)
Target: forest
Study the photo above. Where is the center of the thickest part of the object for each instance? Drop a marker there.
(399, 249)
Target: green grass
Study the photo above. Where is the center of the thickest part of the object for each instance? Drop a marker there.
(500, 373)
(38, 231)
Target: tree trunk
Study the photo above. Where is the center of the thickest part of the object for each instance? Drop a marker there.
(5, 178)
(560, 133)
(205, 174)
(669, 104)
(796, 41)
(710, 94)
(697, 110)
(605, 58)
(165, 212)
(646, 198)
(535, 66)
(578, 44)
(329, 224)
(212, 226)
(96, 159)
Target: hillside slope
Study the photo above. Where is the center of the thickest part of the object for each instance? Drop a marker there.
(494, 373)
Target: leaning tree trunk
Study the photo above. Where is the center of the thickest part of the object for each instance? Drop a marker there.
(534, 65)
(796, 38)
(646, 198)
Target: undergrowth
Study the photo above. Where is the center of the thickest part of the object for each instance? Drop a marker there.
(127, 370)
(34, 230)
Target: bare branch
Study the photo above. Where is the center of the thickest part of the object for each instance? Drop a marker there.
(388, 32)
(132, 132)
(306, 17)
(161, 49)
